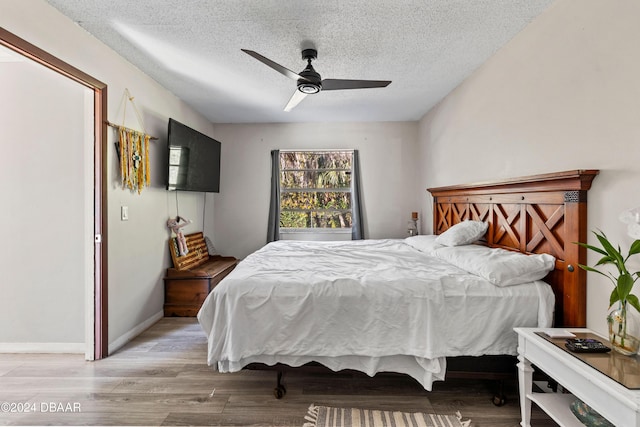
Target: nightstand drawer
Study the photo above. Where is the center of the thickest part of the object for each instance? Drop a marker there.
(185, 291)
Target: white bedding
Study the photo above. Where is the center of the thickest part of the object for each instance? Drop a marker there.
(370, 305)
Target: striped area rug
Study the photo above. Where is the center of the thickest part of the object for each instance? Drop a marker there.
(324, 416)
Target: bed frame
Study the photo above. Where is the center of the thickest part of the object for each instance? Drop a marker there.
(533, 214)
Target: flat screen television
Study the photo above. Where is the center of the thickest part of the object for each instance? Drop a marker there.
(193, 161)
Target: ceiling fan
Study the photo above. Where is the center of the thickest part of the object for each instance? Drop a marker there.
(310, 82)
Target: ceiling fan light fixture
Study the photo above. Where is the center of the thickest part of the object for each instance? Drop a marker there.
(308, 88)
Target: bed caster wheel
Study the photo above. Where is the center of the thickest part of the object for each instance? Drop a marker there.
(499, 400)
(279, 392)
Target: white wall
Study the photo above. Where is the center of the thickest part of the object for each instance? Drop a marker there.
(388, 163)
(42, 131)
(138, 251)
(563, 94)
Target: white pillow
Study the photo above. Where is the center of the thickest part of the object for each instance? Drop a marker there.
(463, 233)
(499, 266)
(426, 243)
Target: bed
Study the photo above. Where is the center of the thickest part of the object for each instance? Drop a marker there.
(410, 305)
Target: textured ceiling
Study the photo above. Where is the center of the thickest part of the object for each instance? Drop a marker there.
(192, 47)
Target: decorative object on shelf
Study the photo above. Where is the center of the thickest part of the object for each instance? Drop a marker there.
(587, 415)
(412, 225)
(624, 328)
(175, 226)
(133, 152)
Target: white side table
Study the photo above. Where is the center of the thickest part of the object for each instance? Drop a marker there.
(591, 377)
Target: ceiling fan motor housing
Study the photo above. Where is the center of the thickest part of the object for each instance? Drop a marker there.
(311, 81)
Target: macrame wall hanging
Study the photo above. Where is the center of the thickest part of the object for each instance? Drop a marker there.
(133, 152)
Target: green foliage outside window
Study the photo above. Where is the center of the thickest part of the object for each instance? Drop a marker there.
(315, 189)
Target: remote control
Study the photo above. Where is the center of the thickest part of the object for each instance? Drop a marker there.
(580, 345)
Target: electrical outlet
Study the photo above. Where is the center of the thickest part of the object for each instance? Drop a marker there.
(124, 213)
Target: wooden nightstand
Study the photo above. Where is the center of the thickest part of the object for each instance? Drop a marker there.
(186, 290)
(595, 378)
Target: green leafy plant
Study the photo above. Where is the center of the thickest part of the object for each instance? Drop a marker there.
(623, 281)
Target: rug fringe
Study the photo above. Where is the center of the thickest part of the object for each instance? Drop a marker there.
(312, 416)
(466, 423)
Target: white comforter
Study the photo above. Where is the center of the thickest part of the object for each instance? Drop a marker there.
(371, 305)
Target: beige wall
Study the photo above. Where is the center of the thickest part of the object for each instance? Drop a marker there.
(388, 164)
(138, 254)
(563, 94)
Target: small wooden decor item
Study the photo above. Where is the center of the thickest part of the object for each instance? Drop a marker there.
(133, 152)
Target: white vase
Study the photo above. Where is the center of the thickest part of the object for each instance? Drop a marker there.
(624, 328)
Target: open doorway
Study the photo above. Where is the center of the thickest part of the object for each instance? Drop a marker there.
(96, 337)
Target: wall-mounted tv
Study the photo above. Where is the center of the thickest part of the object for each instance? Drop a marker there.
(194, 160)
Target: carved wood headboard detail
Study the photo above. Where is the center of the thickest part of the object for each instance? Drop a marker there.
(534, 214)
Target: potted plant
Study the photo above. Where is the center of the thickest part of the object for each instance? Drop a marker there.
(623, 325)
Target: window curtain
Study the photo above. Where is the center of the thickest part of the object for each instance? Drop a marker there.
(273, 229)
(357, 228)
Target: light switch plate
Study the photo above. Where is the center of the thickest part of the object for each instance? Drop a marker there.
(124, 213)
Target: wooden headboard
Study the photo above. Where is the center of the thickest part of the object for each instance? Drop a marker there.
(533, 214)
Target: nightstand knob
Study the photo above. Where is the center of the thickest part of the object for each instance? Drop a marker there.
(570, 268)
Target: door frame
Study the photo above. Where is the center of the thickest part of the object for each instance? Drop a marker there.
(100, 296)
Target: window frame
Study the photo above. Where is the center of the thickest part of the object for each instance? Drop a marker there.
(316, 230)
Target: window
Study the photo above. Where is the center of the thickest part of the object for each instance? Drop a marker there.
(315, 191)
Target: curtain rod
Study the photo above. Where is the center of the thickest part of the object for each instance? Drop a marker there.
(113, 125)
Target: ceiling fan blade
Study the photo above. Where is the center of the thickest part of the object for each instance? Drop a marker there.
(279, 68)
(337, 84)
(295, 100)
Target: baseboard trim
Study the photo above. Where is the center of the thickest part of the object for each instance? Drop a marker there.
(42, 347)
(128, 336)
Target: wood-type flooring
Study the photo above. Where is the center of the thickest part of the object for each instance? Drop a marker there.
(161, 379)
